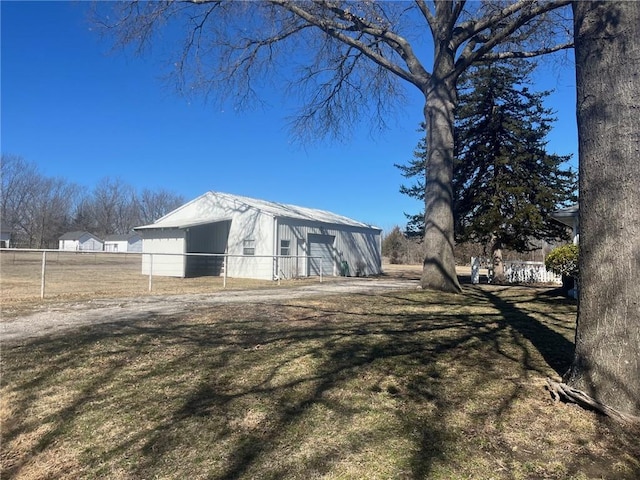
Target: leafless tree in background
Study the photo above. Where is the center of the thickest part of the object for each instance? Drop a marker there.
(35, 208)
(38, 209)
(153, 205)
(113, 207)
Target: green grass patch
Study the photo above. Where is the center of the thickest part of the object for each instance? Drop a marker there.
(406, 385)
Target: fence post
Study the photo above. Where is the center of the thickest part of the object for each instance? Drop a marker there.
(44, 263)
(321, 269)
(224, 273)
(475, 270)
(150, 272)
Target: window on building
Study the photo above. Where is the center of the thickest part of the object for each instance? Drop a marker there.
(249, 247)
(285, 247)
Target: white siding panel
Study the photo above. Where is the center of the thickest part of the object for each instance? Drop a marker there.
(123, 246)
(115, 246)
(135, 246)
(164, 241)
(251, 225)
(69, 245)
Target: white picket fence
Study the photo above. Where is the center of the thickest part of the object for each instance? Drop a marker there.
(515, 272)
(529, 272)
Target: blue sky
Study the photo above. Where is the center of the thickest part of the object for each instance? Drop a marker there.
(82, 112)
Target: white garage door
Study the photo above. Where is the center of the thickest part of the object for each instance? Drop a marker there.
(321, 254)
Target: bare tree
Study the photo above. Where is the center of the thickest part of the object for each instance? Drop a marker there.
(82, 218)
(154, 205)
(40, 209)
(36, 208)
(113, 207)
(19, 180)
(606, 365)
(48, 213)
(348, 59)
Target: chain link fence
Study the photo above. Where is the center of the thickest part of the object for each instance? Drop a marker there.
(27, 274)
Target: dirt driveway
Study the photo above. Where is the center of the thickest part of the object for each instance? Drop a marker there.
(65, 316)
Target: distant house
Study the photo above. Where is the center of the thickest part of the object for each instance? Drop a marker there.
(131, 242)
(80, 241)
(5, 236)
(264, 240)
(570, 217)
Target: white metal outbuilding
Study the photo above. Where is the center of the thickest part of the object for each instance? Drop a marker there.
(131, 242)
(5, 236)
(80, 241)
(262, 239)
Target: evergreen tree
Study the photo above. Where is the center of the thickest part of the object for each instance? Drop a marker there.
(393, 246)
(505, 184)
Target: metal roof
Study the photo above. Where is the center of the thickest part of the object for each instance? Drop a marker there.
(121, 238)
(571, 211)
(216, 206)
(567, 216)
(77, 236)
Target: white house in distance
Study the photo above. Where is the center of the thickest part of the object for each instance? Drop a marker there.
(131, 242)
(264, 240)
(80, 241)
(5, 236)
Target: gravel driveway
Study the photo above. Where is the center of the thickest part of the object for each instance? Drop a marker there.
(65, 316)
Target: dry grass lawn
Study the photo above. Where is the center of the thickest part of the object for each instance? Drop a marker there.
(72, 276)
(406, 385)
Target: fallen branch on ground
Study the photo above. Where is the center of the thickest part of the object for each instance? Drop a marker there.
(562, 391)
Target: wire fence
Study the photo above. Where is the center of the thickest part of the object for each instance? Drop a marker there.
(34, 273)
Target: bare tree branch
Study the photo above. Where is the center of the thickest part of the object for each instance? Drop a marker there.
(501, 27)
(415, 74)
(530, 54)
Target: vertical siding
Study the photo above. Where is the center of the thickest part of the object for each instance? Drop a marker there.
(360, 247)
(208, 238)
(164, 241)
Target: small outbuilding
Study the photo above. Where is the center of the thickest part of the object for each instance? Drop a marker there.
(260, 239)
(131, 242)
(80, 241)
(5, 236)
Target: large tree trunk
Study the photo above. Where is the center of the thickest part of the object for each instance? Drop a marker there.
(439, 266)
(606, 364)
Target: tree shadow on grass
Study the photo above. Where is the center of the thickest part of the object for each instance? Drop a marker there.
(289, 390)
(553, 346)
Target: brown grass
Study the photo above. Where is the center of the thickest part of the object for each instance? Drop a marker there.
(405, 385)
(73, 276)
